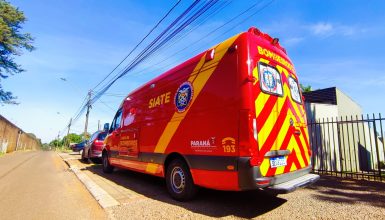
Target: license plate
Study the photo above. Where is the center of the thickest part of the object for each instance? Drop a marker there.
(277, 161)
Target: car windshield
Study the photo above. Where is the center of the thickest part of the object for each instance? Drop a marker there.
(102, 136)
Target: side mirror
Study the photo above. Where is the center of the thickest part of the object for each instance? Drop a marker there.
(106, 126)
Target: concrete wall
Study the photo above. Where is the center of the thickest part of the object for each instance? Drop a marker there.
(346, 106)
(12, 138)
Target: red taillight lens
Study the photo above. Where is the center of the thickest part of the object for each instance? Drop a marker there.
(98, 142)
(263, 182)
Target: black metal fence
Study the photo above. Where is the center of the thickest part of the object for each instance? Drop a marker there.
(349, 146)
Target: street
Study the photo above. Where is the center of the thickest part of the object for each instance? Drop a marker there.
(38, 185)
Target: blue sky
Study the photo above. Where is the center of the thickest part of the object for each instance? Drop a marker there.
(332, 43)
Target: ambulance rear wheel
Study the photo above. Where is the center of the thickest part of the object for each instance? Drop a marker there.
(179, 181)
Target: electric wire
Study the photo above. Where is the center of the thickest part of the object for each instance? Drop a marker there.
(170, 35)
(211, 32)
(164, 37)
(140, 42)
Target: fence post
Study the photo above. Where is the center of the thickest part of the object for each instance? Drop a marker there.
(339, 145)
(377, 149)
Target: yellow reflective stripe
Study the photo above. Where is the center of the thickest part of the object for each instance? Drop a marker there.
(260, 103)
(298, 151)
(198, 81)
(270, 122)
(152, 167)
(265, 166)
(281, 169)
(293, 167)
(302, 139)
(282, 135)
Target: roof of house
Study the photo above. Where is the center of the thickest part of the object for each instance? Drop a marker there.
(327, 96)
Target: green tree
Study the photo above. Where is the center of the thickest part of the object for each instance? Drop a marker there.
(56, 143)
(72, 138)
(12, 42)
(306, 88)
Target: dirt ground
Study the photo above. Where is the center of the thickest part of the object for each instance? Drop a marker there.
(145, 197)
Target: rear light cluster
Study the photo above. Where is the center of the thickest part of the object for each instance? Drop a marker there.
(98, 142)
(274, 41)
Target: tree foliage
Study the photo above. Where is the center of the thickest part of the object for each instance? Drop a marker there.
(306, 88)
(72, 138)
(12, 42)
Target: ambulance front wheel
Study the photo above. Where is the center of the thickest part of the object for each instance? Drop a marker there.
(179, 181)
(107, 167)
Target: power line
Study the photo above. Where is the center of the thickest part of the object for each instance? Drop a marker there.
(211, 32)
(187, 22)
(171, 31)
(160, 21)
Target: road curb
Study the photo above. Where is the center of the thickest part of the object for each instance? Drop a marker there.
(104, 199)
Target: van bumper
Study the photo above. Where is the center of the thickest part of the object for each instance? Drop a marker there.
(250, 178)
(294, 184)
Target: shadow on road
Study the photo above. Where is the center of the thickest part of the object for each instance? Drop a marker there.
(208, 202)
(350, 191)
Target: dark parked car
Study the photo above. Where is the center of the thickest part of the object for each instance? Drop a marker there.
(79, 147)
(93, 148)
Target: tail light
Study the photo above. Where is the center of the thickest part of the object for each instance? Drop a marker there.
(98, 142)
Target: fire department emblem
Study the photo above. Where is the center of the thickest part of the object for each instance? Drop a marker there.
(183, 96)
(269, 80)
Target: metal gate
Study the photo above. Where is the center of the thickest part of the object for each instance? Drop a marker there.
(349, 146)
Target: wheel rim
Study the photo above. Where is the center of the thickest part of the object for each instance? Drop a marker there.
(178, 180)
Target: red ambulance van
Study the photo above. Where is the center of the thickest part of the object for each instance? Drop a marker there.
(230, 118)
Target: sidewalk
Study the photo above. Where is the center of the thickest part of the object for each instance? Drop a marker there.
(95, 180)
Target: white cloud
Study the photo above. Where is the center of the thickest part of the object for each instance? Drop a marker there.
(322, 29)
(325, 29)
(288, 42)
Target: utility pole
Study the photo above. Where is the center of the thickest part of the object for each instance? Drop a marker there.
(57, 142)
(68, 132)
(98, 125)
(88, 112)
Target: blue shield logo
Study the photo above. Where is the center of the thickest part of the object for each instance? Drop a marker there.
(183, 96)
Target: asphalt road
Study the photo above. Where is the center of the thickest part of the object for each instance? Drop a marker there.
(38, 185)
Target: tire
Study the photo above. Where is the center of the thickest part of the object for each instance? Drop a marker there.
(95, 160)
(107, 167)
(180, 184)
(84, 159)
